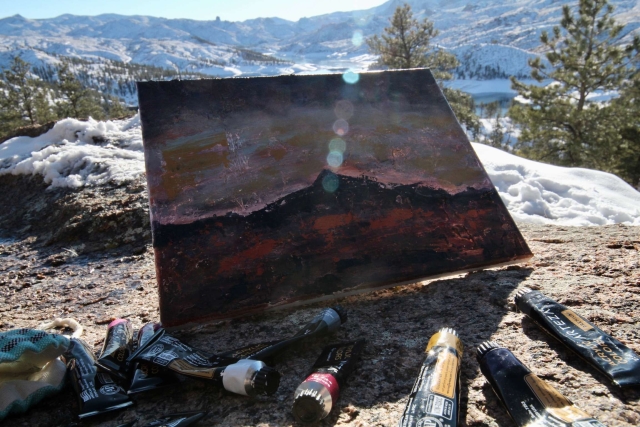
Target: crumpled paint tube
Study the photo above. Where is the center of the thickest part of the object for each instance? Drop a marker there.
(530, 401)
(147, 376)
(97, 392)
(435, 397)
(318, 394)
(117, 347)
(329, 320)
(326, 321)
(246, 377)
(605, 353)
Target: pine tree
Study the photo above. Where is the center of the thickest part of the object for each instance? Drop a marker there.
(406, 43)
(628, 152)
(497, 135)
(559, 123)
(77, 101)
(16, 104)
(114, 108)
(24, 100)
(43, 107)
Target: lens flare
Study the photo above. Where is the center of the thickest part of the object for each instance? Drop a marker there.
(330, 183)
(357, 39)
(343, 109)
(335, 159)
(341, 127)
(351, 77)
(337, 144)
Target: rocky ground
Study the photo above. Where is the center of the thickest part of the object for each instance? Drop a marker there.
(87, 255)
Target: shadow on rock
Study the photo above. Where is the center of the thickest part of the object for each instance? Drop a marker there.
(82, 220)
(398, 323)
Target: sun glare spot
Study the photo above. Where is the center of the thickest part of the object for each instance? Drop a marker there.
(337, 144)
(351, 77)
(343, 109)
(357, 38)
(341, 127)
(335, 159)
(330, 183)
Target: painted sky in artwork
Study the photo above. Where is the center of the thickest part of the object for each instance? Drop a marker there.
(236, 145)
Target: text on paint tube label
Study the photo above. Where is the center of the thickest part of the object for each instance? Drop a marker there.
(445, 375)
(329, 382)
(439, 406)
(554, 402)
(608, 353)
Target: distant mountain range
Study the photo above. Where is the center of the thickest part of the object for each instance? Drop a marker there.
(492, 38)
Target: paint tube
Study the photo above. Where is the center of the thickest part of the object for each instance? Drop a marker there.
(326, 322)
(434, 399)
(246, 377)
(529, 400)
(181, 419)
(97, 392)
(605, 353)
(147, 376)
(116, 348)
(314, 398)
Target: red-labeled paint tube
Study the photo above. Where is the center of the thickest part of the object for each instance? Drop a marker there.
(246, 377)
(529, 400)
(329, 320)
(117, 347)
(605, 353)
(97, 392)
(181, 419)
(434, 399)
(146, 376)
(314, 398)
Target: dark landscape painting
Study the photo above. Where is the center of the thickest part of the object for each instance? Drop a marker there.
(270, 191)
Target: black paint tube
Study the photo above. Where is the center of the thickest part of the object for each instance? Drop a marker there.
(608, 355)
(246, 377)
(326, 322)
(181, 419)
(314, 398)
(117, 347)
(147, 376)
(97, 392)
(529, 400)
(434, 399)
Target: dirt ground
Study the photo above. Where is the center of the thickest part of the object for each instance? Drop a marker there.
(47, 272)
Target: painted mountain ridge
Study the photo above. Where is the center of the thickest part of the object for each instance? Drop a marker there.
(314, 243)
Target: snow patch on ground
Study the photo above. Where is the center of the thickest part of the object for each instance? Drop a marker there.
(79, 153)
(546, 194)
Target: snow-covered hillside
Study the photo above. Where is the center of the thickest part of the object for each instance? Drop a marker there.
(492, 61)
(487, 33)
(76, 154)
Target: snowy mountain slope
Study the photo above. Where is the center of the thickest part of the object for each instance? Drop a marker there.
(491, 61)
(209, 46)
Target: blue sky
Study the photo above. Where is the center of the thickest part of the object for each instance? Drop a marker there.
(229, 10)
